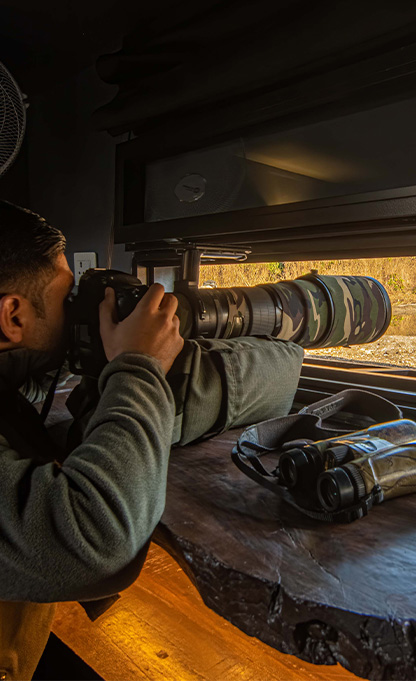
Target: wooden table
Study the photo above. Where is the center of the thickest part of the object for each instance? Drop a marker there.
(325, 593)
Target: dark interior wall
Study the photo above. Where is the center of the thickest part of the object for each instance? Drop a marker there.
(65, 170)
(14, 184)
(70, 166)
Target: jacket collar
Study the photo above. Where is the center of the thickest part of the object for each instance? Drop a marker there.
(17, 365)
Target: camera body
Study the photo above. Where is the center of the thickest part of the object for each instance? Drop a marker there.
(86, 353)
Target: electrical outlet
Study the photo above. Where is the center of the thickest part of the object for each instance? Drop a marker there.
(82, 263)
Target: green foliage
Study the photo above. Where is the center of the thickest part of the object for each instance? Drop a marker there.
(276, 269)
(396, 320)
(395, 282)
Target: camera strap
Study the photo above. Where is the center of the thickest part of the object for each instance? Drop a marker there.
(49, 397)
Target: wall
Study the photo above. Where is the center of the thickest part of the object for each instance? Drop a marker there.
(14, 184)
(71, 166)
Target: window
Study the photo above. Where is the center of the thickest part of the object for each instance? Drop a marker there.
(387, 366)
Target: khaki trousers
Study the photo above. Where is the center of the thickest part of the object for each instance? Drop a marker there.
(24, 631)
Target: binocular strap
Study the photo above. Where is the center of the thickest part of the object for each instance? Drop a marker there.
(269, 438)
(258, 473)
(346, 515)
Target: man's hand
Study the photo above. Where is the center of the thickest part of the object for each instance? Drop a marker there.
(152, 328)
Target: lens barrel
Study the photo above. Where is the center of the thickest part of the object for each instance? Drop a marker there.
(227, 313)
(314, 311)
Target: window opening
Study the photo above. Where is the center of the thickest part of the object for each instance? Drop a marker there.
(396, 348)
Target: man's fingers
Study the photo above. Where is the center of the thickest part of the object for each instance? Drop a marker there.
(108, 312)
(152, 328)
(156, 299)
(169, 303)
(153, 297)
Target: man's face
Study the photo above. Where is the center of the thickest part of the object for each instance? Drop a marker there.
(48, 333)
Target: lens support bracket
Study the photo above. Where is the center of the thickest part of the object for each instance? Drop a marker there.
(185, 257)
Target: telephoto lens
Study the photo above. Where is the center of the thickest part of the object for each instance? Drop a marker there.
(387, 474)
(299, 467)
(314, 311)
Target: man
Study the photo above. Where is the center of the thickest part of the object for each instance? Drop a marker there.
(74, 528)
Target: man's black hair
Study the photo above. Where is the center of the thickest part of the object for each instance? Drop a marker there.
(29, 247)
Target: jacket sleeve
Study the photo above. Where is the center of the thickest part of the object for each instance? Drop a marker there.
(67, 529)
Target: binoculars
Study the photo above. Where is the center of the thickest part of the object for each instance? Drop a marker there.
(341, 475)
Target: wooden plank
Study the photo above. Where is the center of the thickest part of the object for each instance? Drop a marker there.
(160, 629)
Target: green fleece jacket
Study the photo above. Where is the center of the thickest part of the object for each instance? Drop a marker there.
(73, 531)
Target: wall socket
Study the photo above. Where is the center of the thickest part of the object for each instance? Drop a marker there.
(82, 263)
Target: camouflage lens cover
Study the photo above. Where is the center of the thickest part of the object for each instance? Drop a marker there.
(326, 311)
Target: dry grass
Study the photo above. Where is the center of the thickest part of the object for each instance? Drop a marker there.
(398, 275)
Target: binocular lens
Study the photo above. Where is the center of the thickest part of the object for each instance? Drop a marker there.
(328, 492)
(288, 473)
(336, 489)
(295, 467)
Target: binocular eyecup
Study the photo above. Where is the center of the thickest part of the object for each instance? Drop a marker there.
(340, 488)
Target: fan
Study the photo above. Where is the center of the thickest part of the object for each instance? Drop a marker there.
(12, 119)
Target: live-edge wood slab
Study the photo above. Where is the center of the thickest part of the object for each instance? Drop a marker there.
(325, 593)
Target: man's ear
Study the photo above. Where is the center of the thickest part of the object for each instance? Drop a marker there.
(12, 317)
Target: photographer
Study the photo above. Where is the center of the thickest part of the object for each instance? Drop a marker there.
(74, 527)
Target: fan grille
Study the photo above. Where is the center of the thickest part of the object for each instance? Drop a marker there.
(12, 119)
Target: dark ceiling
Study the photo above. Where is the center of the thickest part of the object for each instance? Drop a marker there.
(171, 57)
(45, 41)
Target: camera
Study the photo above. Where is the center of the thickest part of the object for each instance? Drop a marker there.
(314, 311)
(86, 353)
